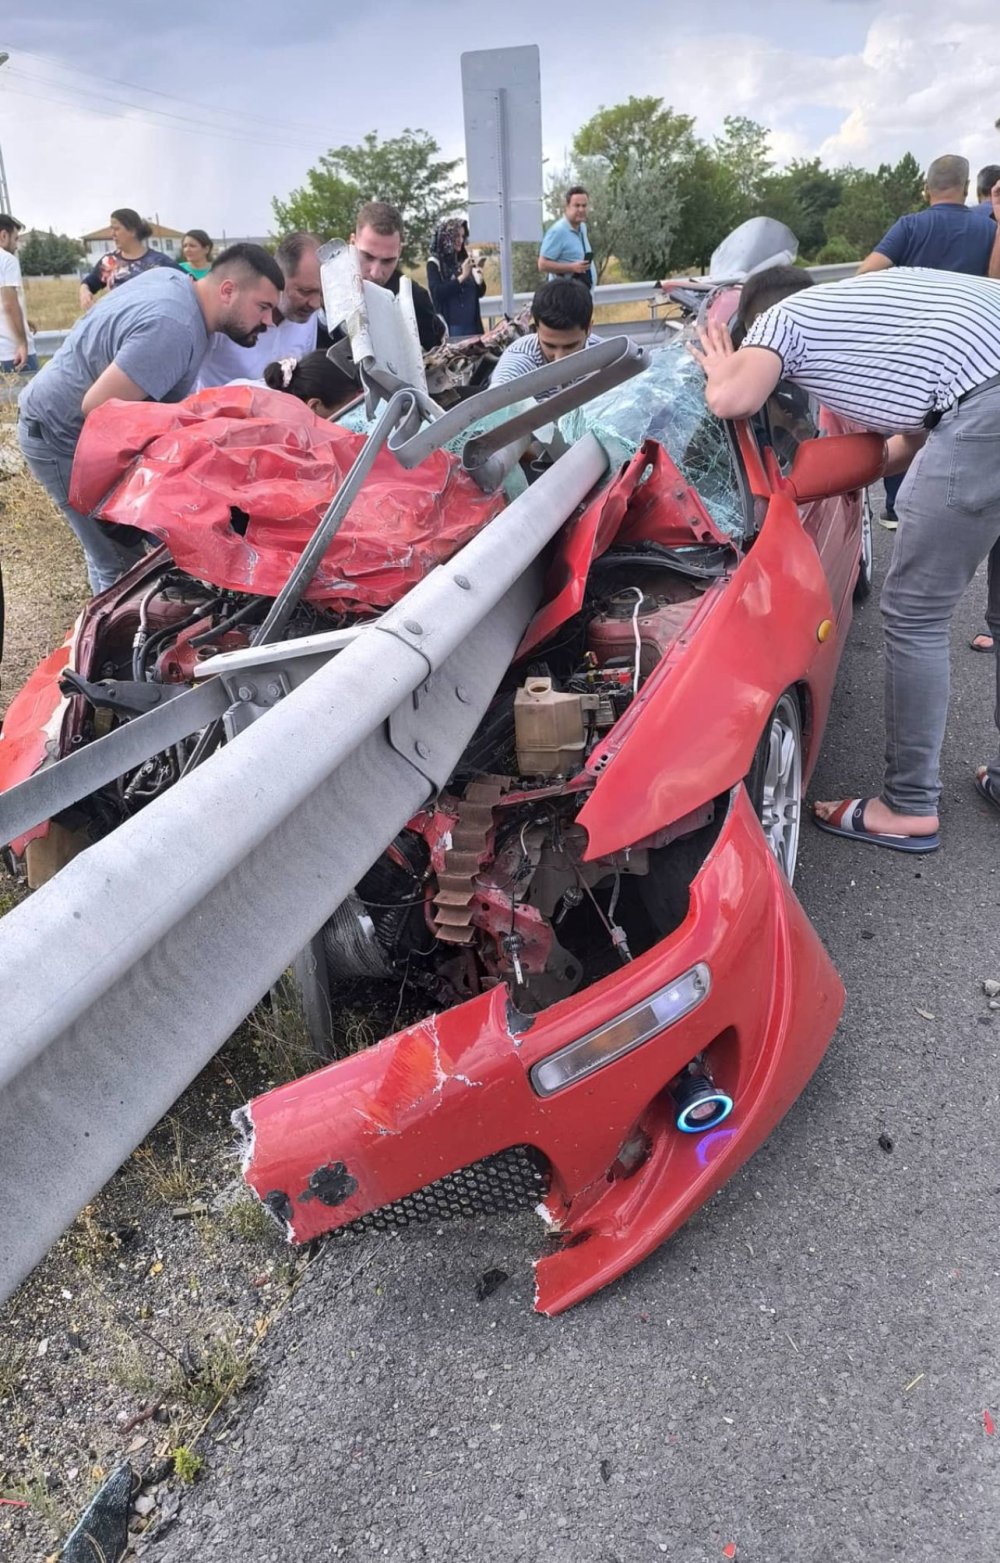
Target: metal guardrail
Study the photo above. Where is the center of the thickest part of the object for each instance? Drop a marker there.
(47, 342)
(645, 292)
(127, 971)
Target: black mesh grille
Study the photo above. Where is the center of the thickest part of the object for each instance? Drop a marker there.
(511, 1180)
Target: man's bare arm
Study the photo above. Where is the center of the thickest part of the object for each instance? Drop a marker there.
(112, 385)
(902, 448)
(563, 268)
(876, 261)
(736, 383)
(15, 320)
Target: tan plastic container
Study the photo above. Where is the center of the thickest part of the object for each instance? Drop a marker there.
(548, 728)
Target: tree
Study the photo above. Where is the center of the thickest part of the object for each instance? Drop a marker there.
(870, 203)
(48, 254)
(405, 170)
(742, 152)
(802, 197)
(637, 135)
(325, 204)
(710, 207)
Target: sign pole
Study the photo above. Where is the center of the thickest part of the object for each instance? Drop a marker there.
(503, 201)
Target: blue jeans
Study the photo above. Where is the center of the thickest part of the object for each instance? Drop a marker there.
(949, 522)
(7, 365)
(106, 558)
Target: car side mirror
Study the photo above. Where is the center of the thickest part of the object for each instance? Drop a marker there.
(836, 464)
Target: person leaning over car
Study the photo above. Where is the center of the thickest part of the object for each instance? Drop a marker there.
(561, 313)
(144, 344)
(916, 351)
(947, 235)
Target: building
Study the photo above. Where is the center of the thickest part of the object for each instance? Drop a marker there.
(100, 242)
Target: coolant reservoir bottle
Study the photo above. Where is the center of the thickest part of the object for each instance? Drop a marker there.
(548, 729)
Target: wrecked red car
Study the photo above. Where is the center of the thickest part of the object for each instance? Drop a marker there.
(622, 993)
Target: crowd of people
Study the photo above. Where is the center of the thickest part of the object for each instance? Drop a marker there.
(909, 348)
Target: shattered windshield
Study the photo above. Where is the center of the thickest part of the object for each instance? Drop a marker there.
(667, 404)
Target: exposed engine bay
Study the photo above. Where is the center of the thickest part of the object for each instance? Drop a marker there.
(490, 884)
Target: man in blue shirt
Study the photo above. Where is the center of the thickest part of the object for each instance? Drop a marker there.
(948, 236)
(985, 180)
(565, 248)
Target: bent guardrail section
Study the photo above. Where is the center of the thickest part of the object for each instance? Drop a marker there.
(125, 973)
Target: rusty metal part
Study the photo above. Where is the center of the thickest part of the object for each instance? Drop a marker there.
(470, 847)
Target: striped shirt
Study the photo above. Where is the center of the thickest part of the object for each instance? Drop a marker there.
(886, 348)
(524, 355)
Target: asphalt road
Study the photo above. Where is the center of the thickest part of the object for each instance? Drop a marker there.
(802, 1372)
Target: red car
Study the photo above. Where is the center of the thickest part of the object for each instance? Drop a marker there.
(623, 993)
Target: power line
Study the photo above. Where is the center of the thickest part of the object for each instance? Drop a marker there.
(88, 76)
(152, 117)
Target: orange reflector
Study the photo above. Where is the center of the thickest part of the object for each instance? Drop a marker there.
(825, 630)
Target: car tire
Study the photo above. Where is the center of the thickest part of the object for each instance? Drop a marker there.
(866, 565)
(774, 782)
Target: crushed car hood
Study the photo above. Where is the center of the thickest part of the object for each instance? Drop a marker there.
(235, 479)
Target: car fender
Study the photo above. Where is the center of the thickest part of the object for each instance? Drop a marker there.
(703, 709)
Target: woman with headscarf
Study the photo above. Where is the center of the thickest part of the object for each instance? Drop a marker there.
(455, 279)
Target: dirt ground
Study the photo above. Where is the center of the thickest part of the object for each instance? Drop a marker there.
(132, 1338)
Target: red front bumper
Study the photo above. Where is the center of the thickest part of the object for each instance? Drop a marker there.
(455, 1087)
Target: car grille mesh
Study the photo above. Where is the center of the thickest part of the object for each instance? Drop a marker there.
(514, 1179)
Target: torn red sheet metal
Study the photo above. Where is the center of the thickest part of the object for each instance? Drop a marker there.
(235, 479)
(457, 1087)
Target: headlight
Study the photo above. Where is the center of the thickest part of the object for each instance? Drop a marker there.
(627, 1031)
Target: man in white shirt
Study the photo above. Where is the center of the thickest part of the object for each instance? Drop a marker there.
(17, 347)
(296, 320)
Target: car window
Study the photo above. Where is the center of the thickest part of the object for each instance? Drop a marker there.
(789, 416)
(667, 403)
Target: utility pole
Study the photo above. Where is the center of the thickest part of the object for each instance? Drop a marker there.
(4, 190)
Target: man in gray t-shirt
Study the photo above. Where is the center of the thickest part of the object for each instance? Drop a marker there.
(142, 343)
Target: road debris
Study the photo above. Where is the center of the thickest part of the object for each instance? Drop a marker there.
(913, 1383)
(988, 1423)
(991, 987)
(925, 1013)
(886, 1142)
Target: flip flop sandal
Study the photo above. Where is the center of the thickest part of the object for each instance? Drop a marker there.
(984, 787)
(987, 651)
(848, 819)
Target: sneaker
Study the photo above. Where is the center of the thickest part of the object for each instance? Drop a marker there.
(888, 519)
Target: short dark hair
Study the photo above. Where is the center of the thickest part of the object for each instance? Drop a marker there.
(132, 221)
(769, 287)
(563, 305)
(380, 216)
(292, 248)
(314, 375)
(575, 190)
(9, 224)
(249, 257)
(985, 180)
(200, 237)
(947, 173)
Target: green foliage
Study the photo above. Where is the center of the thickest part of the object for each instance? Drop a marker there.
(406, 170)
(837, 252)
(325, 204)
(636, 136)
(187, 1464)
(802, 197)
(871, 202)
(48, 254)
(742, 152)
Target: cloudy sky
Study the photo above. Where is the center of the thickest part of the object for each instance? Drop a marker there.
(200, 115)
